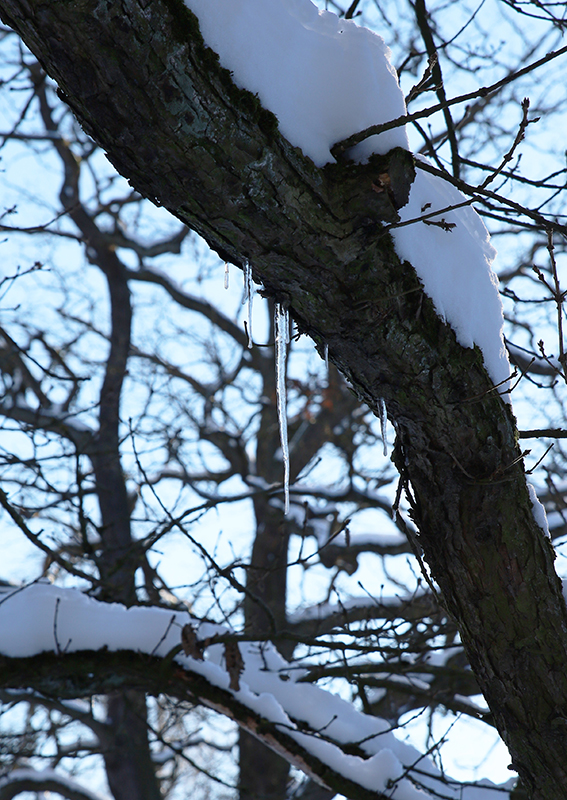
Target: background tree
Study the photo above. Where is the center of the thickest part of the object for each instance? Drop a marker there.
(191, 430)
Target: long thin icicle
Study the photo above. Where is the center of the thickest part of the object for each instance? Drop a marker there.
(281, 324)
(383, 420)
(226, 275)
(248, 297)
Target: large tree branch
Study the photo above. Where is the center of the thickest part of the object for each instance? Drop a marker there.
(172, 121)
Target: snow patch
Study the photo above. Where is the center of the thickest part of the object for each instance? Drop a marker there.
(538, 510)
(324, 78)
(454, 266)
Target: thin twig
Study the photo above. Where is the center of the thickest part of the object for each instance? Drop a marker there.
(559, 297)
(34, 538)
(519, 138)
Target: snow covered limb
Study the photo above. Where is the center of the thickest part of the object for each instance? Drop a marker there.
(326, 617)
(139, 77)
(46, 780)
(62, 643)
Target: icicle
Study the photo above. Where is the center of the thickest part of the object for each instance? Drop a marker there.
(248, 297)
(383, 420)
(326, 351)
(281, 321)
(226, 275)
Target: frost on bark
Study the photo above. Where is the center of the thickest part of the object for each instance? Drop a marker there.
(141, 82)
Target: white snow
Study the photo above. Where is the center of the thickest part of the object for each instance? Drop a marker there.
(455, 268)
(538, 511)
(46, 618)
(48, 780)
(323, 77)
(326, 78)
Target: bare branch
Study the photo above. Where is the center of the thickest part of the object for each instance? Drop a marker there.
(346, 144)
(47, 780)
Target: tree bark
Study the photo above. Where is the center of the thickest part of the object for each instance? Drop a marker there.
(139, 78)
(127, 758)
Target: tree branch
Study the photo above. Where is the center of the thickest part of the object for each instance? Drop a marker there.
(47, 780)
(482, 91)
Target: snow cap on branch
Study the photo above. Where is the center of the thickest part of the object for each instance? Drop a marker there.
(326, 78)
(46, 618)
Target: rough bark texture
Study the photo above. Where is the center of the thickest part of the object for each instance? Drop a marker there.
(138, 77)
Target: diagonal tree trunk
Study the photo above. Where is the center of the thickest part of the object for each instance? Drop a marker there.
(140, 80)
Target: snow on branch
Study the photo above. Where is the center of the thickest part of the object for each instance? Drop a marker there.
(45, 780)
(248, 681)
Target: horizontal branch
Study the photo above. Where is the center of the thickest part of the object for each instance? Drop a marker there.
(48, 780)
(319, 620)
(63, 644)
(542, 433)
(84, 674)
(50, 420)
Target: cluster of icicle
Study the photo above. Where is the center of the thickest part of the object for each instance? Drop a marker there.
(282, 339)
(281, 325)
